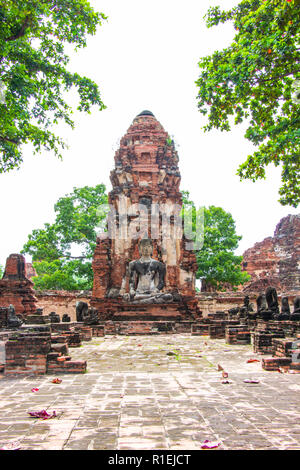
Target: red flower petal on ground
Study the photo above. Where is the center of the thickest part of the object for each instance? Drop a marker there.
(210, 444)
(35, 389)
(42, 414)
(56, 381)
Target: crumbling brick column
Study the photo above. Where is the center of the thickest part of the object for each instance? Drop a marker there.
(16, 288)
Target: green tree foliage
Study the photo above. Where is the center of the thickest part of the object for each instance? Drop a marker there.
(218, 266)
(256, 79)
(74, 230)
(34, 75)
(1, 271)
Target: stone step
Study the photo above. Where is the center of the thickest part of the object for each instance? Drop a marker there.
(148, 316)
(75, 367)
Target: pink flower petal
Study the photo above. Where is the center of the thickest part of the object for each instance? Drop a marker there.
(42, 414)
(251, 381)
(210, 444)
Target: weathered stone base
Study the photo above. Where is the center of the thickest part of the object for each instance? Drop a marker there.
(146, 327)
(215, 329)
(119, 310)
(36, 319)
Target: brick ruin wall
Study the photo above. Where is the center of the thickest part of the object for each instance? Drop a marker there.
(276, 260)
(61, 302)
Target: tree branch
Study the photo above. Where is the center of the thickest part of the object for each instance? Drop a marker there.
(6, 139)
(278, 76)
(21, 31)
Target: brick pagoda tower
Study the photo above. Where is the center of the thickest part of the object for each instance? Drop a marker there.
(146, 172)
(16, 288)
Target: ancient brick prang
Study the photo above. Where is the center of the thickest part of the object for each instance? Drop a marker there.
(146, 173)
(16, 288)
(276, 260)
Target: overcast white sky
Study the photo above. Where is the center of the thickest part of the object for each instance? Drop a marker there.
(144, 57)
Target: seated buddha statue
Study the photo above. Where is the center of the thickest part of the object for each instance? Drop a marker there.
(147, 277)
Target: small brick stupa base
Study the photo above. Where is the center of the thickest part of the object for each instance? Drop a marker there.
(146, 173)
(15, 288)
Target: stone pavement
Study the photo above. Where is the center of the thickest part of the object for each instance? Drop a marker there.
(155, 392)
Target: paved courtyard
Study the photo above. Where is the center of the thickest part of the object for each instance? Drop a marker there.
(155, 392)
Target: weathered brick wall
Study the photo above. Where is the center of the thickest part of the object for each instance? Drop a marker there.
(61, 302)
(275, 261)
(27, 354)
(212, 302)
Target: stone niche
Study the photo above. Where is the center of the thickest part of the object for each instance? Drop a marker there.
(16, 288)
(146, 172)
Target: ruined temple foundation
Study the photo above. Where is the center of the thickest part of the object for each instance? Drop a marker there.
(119, 310)
(146, 172)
